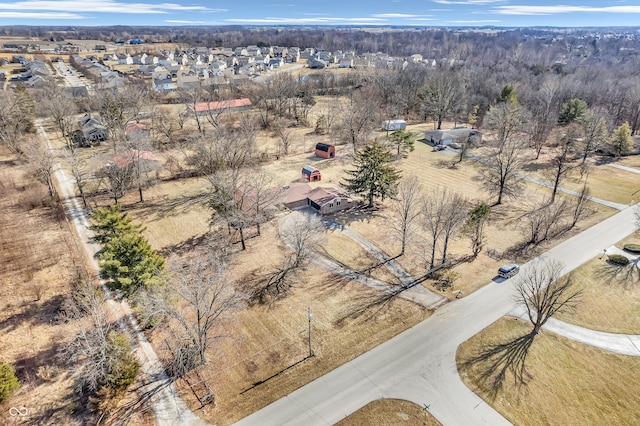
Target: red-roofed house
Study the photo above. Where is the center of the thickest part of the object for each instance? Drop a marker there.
(222, 106)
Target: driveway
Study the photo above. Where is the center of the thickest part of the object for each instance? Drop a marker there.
(419, 364)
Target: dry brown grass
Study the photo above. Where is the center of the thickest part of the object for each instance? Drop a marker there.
(630, 161)
(349, 253)
(611, 298)
(389, 412)
(348, 319)
(39, 259)
(503, 232)
(570, 384)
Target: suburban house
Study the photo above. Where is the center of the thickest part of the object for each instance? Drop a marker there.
(458, 135)
(90, 132)
(318, 63)
(324, 150)
(165, 84)
(322, 200)
(221, 106)
(311, 174)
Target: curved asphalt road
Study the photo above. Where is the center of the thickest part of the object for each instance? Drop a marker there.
(419, 365)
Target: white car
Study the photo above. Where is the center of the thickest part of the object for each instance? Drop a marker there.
(509, 270)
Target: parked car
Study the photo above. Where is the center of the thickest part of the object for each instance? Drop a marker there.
(509, 270)
(439, 147)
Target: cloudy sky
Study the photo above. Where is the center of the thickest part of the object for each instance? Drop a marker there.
(562, 13)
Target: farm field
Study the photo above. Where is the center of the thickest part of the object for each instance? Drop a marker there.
(566, 382)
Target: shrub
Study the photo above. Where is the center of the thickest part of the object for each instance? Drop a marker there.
(618, 259)
(633, 248)
(8, 381)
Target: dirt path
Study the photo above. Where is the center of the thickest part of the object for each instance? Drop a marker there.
(167, 406)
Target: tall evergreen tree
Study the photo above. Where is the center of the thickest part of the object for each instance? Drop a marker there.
(126, 257)
(372, 176)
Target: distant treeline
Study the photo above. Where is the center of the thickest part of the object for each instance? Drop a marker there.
(535, 47)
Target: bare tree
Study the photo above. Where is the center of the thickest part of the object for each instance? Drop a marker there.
(440, 96)
(198, 298)
(227, 201)
(580, 209)
(60, 108)
(328, 119)
(118, 108)
(263, 195)
(191, 97)
(42, 161)
(79, 173)
(89, 346)
(545, 220)
(543, 107)
(544, 292)
(301, 233)
(281, 130)
(116, 180)
(504, 163)
(164, 124)
(406, 211)
(455, 216)
(562, 162)
(358, 115)
(594, 129)
(437, 209)
(505, 119)
(14, 119)
(140, 160)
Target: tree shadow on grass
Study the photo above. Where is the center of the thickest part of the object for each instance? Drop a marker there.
(33, 312)
(614, 274)
(496, 361)
(160, 209)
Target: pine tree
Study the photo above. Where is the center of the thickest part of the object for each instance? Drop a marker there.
(403, 141)
(110, 222)
(372, 176)
(126, 257)
(8, 381)
(621, 142)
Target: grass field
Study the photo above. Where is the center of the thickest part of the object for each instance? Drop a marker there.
(390, 412)
(611, 299)
(267, 344)
(567, 383)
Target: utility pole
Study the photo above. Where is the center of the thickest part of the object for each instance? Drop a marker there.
(310, 317)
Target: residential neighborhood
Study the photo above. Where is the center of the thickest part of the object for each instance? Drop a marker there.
(310, 225)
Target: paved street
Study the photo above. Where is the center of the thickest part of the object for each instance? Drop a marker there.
(419, 364)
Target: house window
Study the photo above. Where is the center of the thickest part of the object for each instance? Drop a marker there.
(330, 205)
(338, 203)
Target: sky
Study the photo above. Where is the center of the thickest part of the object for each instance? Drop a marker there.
(414, 13)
